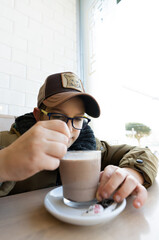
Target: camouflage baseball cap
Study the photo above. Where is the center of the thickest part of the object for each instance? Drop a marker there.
(60, 87)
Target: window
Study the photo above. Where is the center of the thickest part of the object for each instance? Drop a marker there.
(120, 64)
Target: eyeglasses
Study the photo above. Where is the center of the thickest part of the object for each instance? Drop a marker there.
(78, 123)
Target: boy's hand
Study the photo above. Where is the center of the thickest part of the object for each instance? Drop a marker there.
(40, 148)
(121, 182)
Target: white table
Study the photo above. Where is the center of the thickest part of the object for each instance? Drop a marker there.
(24, 217)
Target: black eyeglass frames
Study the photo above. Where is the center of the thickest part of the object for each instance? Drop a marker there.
(78, 123)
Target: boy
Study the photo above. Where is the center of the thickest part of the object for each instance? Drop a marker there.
(37, 141)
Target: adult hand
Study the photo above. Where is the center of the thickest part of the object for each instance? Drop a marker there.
(121, 182)
(40, 148)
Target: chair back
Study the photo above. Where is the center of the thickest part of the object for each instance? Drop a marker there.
(6, 122)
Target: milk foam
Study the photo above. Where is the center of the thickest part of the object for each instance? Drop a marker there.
(81, 155)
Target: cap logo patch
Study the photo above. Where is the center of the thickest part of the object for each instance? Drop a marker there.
(70, 80)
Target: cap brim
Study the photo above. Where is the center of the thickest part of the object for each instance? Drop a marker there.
(91, 106)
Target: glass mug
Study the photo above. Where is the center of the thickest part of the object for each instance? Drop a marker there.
(80, 172)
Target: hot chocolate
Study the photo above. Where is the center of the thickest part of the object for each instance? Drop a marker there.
(80, 171)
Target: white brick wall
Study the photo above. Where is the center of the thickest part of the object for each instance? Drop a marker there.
(37, 38)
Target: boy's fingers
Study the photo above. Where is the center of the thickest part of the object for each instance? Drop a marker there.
(55, 136)
(141, 196)
(104, 178)
(56, 149)
(50, 163)
(56, 125)
(117, 178)
(126, 188)
(108, 171)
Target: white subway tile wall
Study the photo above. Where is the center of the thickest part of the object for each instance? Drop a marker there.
(37, 38)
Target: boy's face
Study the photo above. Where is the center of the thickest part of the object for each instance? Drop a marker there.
(71, 108)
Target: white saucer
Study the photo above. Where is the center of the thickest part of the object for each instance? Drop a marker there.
(54, 204)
